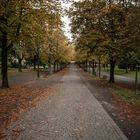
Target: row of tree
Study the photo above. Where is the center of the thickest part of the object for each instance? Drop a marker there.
(32, 30)
(107, 31)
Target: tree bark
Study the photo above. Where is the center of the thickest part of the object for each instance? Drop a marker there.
(126, 66)
(93, 68)
(4, 68)
(38, 69)
(20, 65)
(57, 67)
(60, 66)
(126, 69)
(86, 66)
(50, 70)
(35, 62)
(99, 66)
(112, 67)
(54, 67)
(89, 66)
(4, 59)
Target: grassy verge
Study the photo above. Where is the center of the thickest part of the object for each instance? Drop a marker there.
(127, 95)
(132, 74)
(14, 71)
(123, 73)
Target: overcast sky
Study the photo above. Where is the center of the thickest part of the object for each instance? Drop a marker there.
(66, 21)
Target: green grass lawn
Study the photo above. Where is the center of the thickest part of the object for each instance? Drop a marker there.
(123, 73)
(14, 71)
(132, 74)
(128, 95)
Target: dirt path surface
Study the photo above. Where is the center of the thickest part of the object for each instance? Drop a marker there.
(70, 113)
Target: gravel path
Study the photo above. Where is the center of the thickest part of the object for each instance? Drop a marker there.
(71, 113)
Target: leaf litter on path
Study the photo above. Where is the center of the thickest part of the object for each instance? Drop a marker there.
(17, 99)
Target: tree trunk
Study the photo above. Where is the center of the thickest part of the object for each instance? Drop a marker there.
(38, 69)
(112, 67)
(4, 68)
(99, 66)
(60, 66)
(50, 71)
(20, 65)
(89, 66)
(126, 68)
(54, 67)
(93, 68)
(83, 65)
(86, 66)
(104, 66)
(95, 65)
(35, 62)
(57, 67)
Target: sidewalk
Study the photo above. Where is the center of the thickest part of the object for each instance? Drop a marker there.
(70, 113)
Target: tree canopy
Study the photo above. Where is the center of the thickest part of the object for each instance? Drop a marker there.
(106, 28)
(31, 30)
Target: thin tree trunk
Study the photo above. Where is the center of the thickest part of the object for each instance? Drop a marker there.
(99, 66)
(54, 67)
(35, 62)
(38, 69)
(83, 65)
(86, 66)
(38, 62)
(20, 65)
(126, 68)
(93, 68)
(80, 64)
(89, 66)
(57, 67)
(4, 68)
(60, 66)
(112, 68)
(50, 64)
(104, 66)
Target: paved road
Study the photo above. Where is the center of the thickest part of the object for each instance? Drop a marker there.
(70, 113)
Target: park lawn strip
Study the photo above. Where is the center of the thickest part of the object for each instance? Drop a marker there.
(117, 71)
(123, 73)
(127, 95)
(132, 74)
(14, 71)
